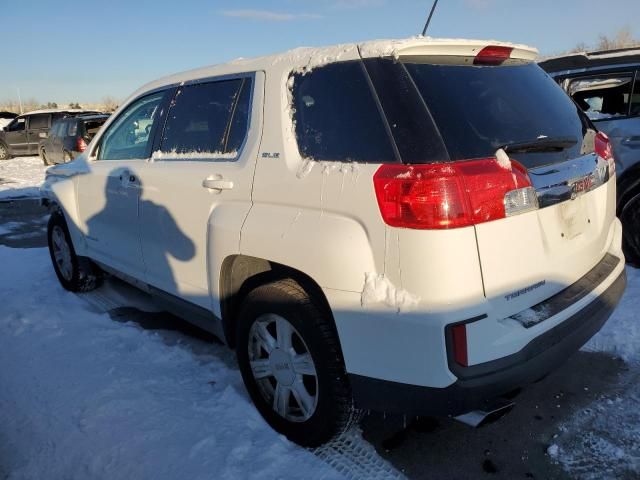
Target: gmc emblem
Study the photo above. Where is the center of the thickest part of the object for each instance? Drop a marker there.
(581, 186)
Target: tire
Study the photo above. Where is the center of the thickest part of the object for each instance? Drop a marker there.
(327, 409)
(76, 274)
(4, 152)
(45, 160)
(629, 214)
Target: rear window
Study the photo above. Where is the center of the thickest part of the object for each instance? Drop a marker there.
(382, 110)
(336, 116)
(480, 109)
(91, 127)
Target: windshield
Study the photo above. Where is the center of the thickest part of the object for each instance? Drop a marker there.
(480, 109)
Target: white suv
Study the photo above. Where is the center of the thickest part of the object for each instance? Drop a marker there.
(417, 226)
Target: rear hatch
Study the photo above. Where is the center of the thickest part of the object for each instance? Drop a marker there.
(507, 111)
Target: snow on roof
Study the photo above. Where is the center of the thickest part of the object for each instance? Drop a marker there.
(307, 58)
(58, 110)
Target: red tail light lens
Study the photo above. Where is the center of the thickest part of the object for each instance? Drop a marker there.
(81, 145)
(602, 146)
(493, 55)
(446, 195)
(459, 340)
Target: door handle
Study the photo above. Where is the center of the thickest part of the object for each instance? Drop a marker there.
(631, 141)
(217, 183)
(128, 179)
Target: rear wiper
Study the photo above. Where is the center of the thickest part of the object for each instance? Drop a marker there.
(542, 144)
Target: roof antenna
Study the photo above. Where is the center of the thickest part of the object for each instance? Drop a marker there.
(426, 25)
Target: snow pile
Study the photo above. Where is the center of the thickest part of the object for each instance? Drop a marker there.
(530, 317)
(314, 57)
(620, 336)
(379, 289)
(21, 177)
(85, 397)
(601, 441)
(503, 159)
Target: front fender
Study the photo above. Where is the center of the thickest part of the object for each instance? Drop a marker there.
(59, 190)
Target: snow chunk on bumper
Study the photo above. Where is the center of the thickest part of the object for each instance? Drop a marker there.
(378, 289)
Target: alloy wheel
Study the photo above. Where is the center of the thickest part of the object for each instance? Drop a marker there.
(283, 368)
(62, 252)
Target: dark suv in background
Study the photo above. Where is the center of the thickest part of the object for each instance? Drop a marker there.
(606, 85)
(22, 136)
(69, 137)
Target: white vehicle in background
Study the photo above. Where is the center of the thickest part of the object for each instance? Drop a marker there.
(418, 226)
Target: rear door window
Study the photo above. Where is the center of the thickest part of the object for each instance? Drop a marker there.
(603, 96)
(39, 122)
(56, 129)
(207, 120)
(336, 116)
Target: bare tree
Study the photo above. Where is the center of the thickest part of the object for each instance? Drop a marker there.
(10, 106)
(622, 39)
(580, 47)
(30, 104)
(110, 103)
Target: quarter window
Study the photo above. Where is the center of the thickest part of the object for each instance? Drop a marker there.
(129, 135)
(207, 120)
(336, 116)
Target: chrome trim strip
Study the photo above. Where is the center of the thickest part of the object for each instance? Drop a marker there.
(567, 180)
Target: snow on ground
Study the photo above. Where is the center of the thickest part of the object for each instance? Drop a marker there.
(621, 334)
(602, 441)
(21, 177)
(83, 396)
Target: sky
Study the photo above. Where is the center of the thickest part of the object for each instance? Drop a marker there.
(82, 51)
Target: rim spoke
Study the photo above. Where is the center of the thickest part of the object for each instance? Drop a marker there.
(261, 368)
(57, 240)
(303, 399)
(265, 338)
(61, 253)
(284, 333)
(281, 399)
(303, 364)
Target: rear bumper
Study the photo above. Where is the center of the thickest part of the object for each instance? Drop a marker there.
(476, 388)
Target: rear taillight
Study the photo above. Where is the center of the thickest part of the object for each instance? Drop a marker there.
(81, 145)
(459, 344)
(452, 195)
(493, 55)
(603, 148)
